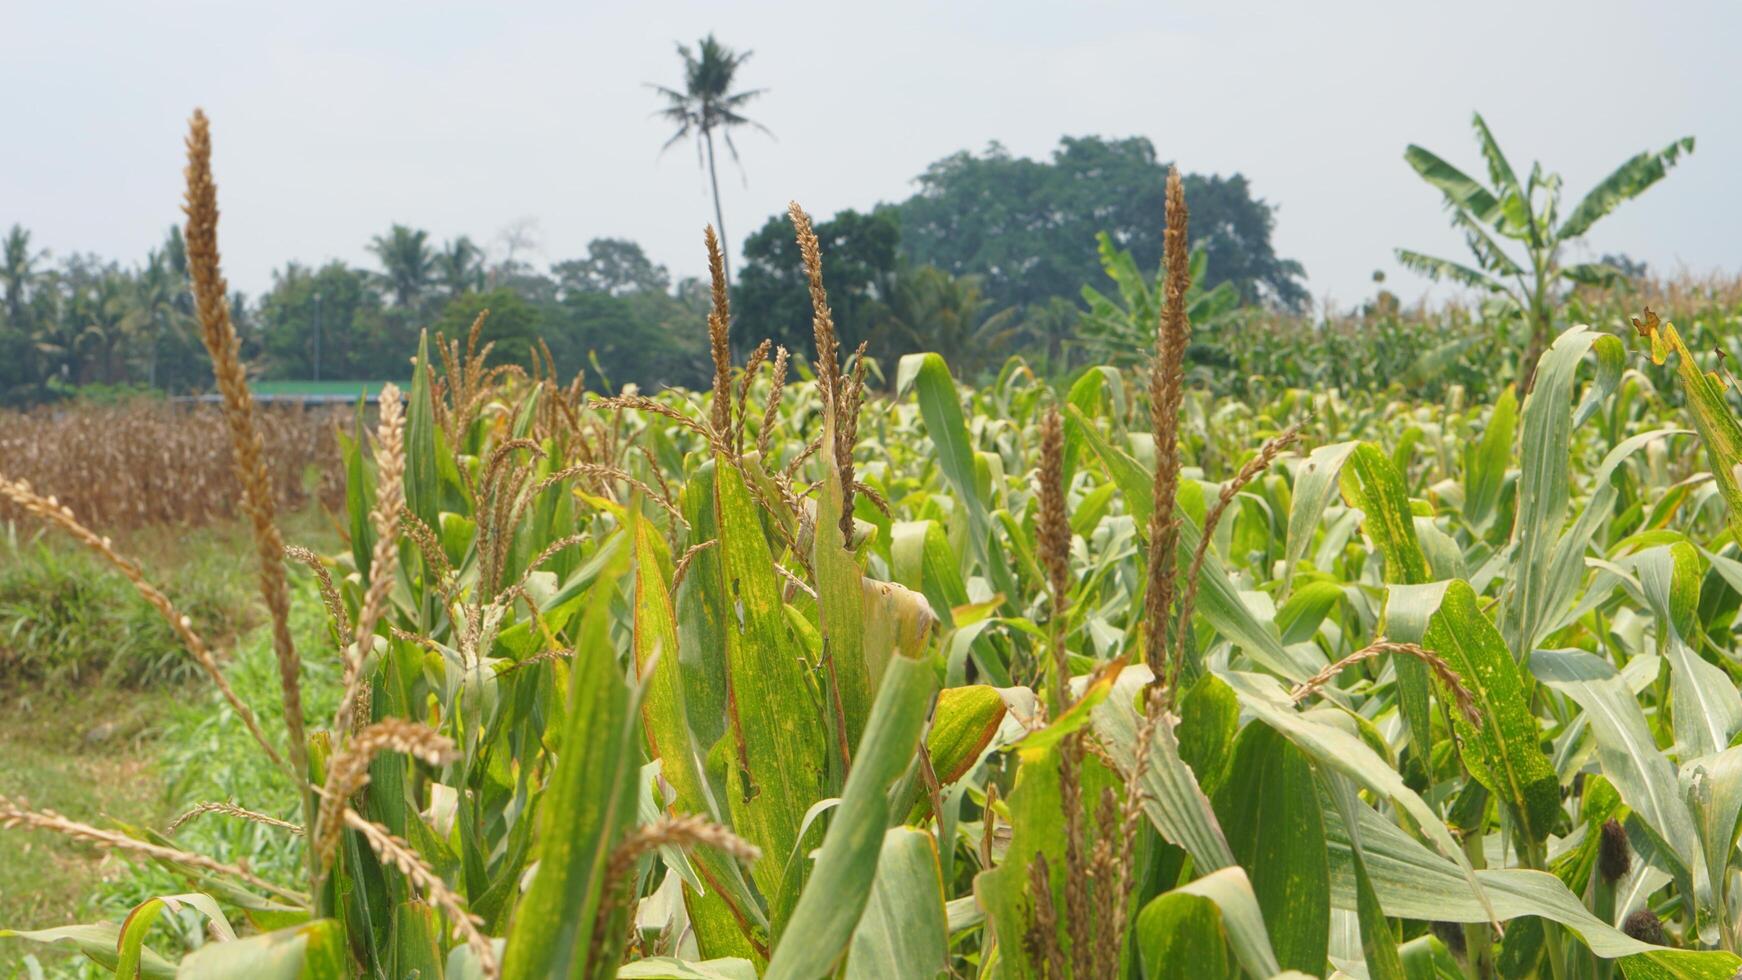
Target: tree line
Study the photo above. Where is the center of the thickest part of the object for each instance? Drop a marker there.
(990, 256)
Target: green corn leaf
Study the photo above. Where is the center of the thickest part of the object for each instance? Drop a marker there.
(666, 968)
(922, 560)
(1280, 843)
(1099, 384)
(1314, 483)
(1708, 709)
(1378, 943)
(829, 909)
(664, 722)
(1372, 483)
(422, 483)
(1426, 958)
(131, 953)
(359, 494)
(1567, 567)
(1625, 749)
(777, 756)
(1716, 423)
(1305, 610)
(1173, 799)
(701, 613)
(1682, 964)
(588, 804)
(99, 942)
(1408, 609)
(1501, 749)
(1209, 720)
(417, 941)
(841, 611)
(1712, 787)
(1037, 829)
(1340, 750)
(1486, 461)
(904, 931)
(1549, 421)
(1180, 936)
(312, 951)
(1241, 920)
(1414, 883)
(940, 406)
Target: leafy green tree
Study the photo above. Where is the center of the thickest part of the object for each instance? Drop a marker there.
(772, 298)
(612, 265)
(407, 263)
(1025, 226)
(344, 303)
(514, 325)
(1233, 229)
(706, 103)
(927, 309)
(1527, 212)
(651, 339)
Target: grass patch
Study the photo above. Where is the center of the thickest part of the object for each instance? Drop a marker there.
(104, 717)
(67, 617)
(88, 752)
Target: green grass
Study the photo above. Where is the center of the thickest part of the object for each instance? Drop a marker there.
(204, 754)
(103, 717)
(88, 752)
(67, 617)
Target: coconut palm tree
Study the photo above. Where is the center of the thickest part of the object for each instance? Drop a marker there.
(153, 310)
(407, 263)
(707, 103)
(17, 272)
(459, 266)
(100, 328)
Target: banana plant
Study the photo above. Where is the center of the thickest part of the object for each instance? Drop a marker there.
(1122, 326)
(1527, 213)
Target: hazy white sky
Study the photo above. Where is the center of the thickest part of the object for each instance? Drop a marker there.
(332, 120)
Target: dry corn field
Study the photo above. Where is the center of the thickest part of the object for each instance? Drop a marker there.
(149, 461)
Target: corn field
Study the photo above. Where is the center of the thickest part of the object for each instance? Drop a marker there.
(145, 462)
(797, 679)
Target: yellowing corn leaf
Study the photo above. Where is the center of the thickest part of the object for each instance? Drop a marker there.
(1716, 423)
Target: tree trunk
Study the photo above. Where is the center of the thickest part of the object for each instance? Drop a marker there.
(720, 228)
